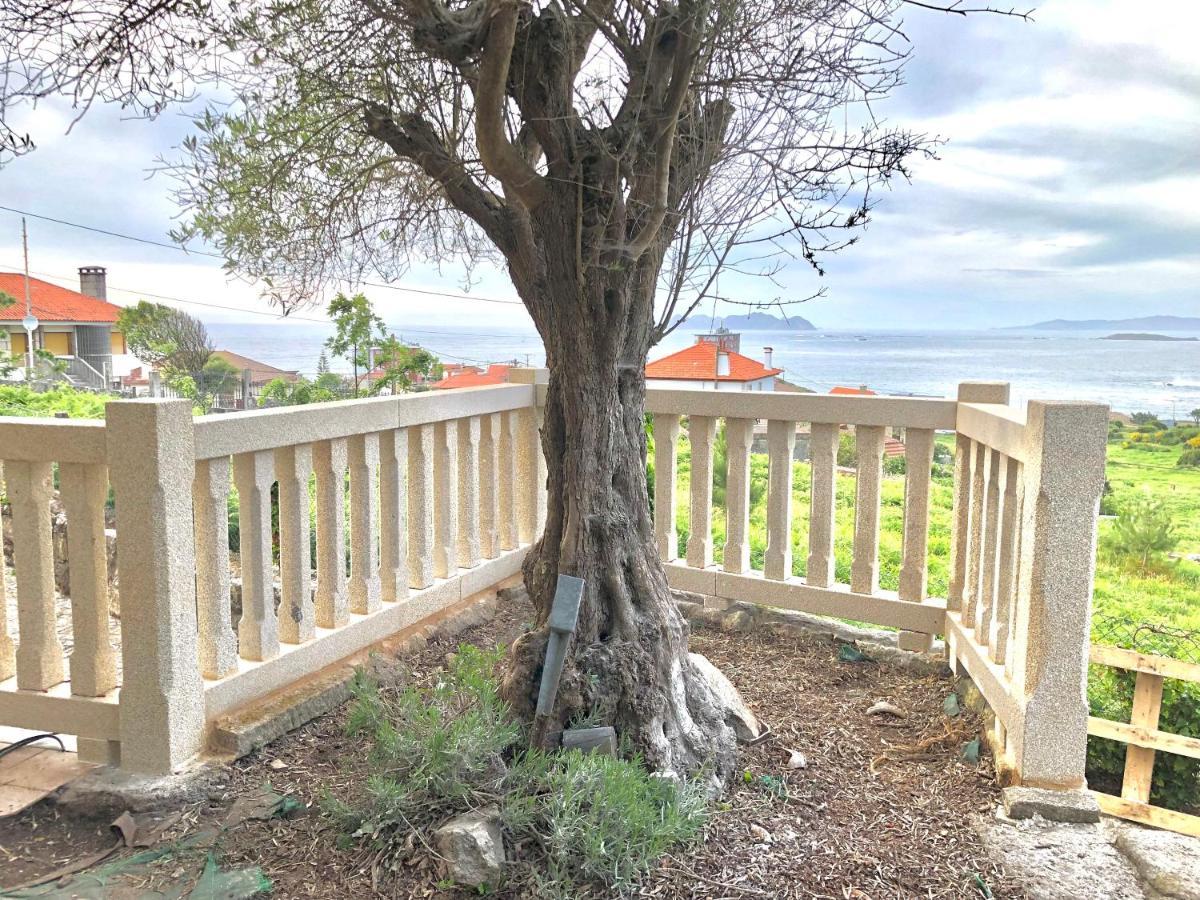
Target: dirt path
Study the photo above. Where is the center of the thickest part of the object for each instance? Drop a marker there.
(884, 807)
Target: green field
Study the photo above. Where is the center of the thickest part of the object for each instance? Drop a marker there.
(1166, 594)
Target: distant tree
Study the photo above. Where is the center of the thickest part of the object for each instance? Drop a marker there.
(214, 378)
(281, 392)
(1195, 414)
(1146, 418)
(357, 330)
(400, 366)
(165, 337)
(322, 363)
(1143, 530)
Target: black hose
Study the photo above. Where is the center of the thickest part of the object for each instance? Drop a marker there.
(4, 751)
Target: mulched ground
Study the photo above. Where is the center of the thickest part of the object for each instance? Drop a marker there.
(882, 809)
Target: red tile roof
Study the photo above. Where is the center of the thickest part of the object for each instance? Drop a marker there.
(855, 392)
(464, 377)
(260, 372)
(52, 303)
(699, 363)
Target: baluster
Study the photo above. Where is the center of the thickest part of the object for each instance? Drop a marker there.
(489, 497)
(1010, 530)
(445, 499)
(84, 490)
(823, 445)
(701, 432)
(864, 568)
(990, 546)
(532, 473)
(393, 522)
(739, 433)
(297, 617)
(507, 480)
(420, 506)
(918, 460)
(217, 644)
(960, 523)
(329, 464)
(258, 630)
(666, 465)
(363, 459)
(979, 464)
(39, 652)
(468, 544)
(781, 445)
(8, 656)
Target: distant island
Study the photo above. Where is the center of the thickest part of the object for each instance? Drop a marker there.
(755, 321)
(1144, 336)
(1142, 324)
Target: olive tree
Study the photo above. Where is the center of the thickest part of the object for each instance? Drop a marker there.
(612, 155)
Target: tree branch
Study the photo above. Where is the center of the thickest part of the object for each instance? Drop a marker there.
(501, 159)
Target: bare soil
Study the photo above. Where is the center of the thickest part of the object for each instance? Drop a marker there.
(884, 807)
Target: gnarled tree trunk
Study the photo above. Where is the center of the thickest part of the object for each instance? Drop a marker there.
(628, 663)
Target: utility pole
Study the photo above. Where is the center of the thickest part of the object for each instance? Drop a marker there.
(30, 321)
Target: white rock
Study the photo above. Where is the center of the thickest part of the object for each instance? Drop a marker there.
(472, 847)
(725, 697)
(797, 760)
(883, 707)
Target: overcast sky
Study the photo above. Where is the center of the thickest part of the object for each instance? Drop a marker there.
(1069, 186)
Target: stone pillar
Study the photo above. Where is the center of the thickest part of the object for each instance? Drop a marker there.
(701, 432)
(666, 462)
(329, 464)
(39, 651)
(918, 460)
(393, 514)
(365, 585)
(781, 446)
(420, 506)
(151, 459)
(960, 523)
(258, 628)
(297, 618)
(864, 567)
(8, 657)
(531, 462)
(1064, 477)
(823, 447)
(210, 504)
(445, 499)
(489, 488)
(739, 433)
(468, 492)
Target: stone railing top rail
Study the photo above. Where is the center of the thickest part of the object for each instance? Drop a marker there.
(829, 409)
(52, 440)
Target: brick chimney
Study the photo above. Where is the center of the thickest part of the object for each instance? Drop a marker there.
(767, 351)
(92, 282)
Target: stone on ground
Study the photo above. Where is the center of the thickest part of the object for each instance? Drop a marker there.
(472, 847)
(602, 740)
(1167, 862)
(1056, 861)
(1022, 802)
(724, 696)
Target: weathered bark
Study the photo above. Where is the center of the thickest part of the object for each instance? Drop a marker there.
(628, 663)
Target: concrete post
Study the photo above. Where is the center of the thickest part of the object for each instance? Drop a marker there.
(151, 461)
(1064, 477)
(246, 388)
(155, 383)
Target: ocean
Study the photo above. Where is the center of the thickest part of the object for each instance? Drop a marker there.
(1130, 376)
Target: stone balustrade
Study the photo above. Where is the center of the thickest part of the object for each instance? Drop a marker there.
(357, 519)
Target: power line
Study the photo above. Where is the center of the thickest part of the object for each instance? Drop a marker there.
(153, 243)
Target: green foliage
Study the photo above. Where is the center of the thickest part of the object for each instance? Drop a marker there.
(895, 465)
(357, 329)
(1195, 414)
(602, 820)
(401, 365)
(1189, 459)
(585, 821)
(18, 400)
(216, 377)
(1176, 782)
(165, 337)
(281, 392)
(847, 456)
(1146, 419)
(1143, 531)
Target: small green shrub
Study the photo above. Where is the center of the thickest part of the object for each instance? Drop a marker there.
(1189, 459)
(602, 820)
(584, 822)
(895, 465)
(18, 400)
(1143, 531)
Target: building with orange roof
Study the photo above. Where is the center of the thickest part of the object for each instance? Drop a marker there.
(70, 323)
(712, 363)
(861, 391)
(472, 376)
